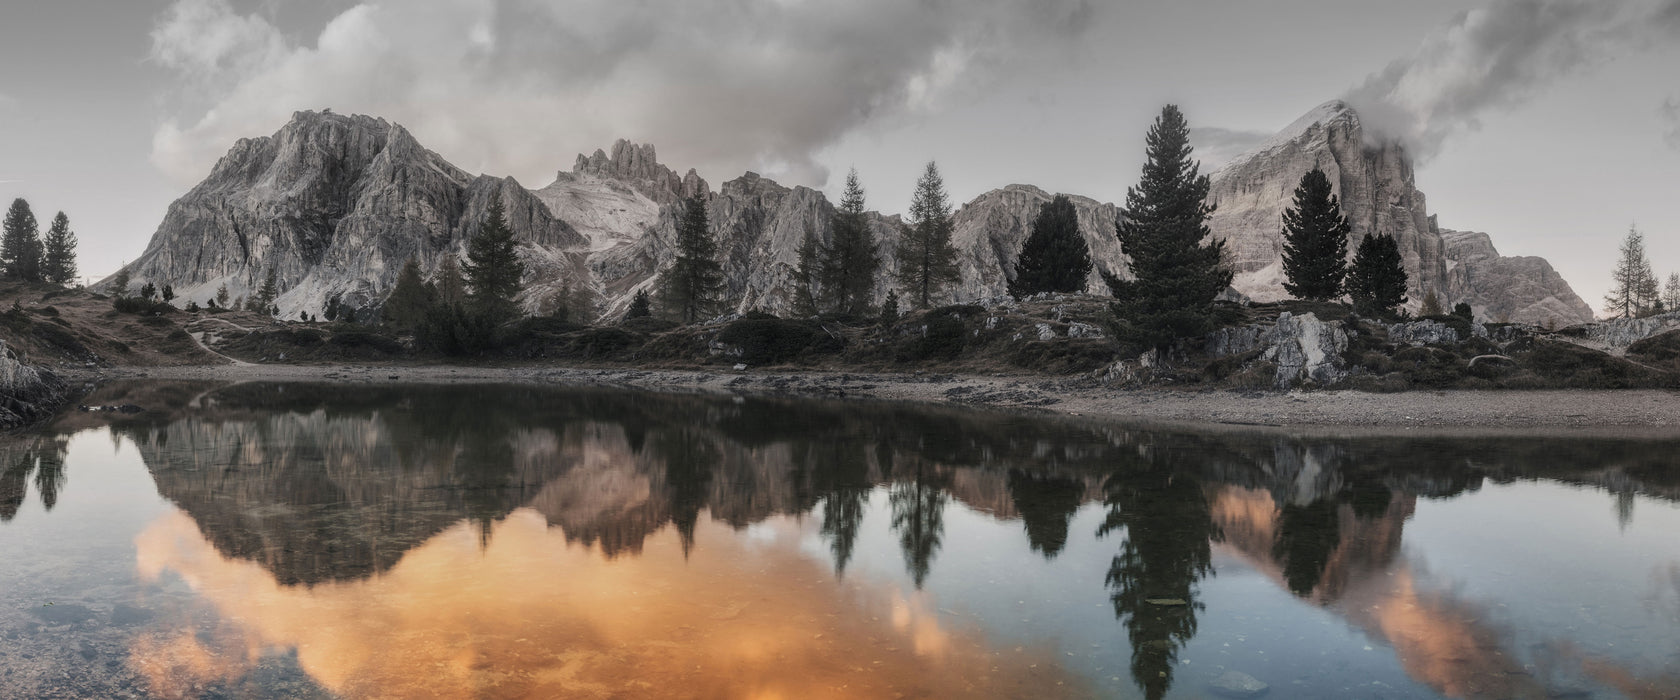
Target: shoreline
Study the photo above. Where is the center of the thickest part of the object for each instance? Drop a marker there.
(1625, 413)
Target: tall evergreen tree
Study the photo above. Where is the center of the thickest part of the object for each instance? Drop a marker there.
(406, 307)
(58, 261)
(850, 262)
(20, 245)
(1671, 293)
(640, 306)
(808, 276)
(493, 268)
(263, 300)
(1054, 258)
(1377, 281)
(927, 262)
(692, 289)
(1633, 286)
(1315, 241)
(1177, 277)
(451, 286)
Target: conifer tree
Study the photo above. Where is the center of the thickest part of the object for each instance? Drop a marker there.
(889, 309)
(640, 306)
(119, 282)
(451, 287)
(267, 293)
(691, 289)
(808, 276)
(1177, 277)
(168, 293)
(1671, 293)
(58, 262)
(1054, 258)
(406, 306)
(1431, 305)
(1315, 241)
(850, 262)
(1377, 281)
(20, 245)
(493, 269)
(222, 296)
(927, 262)
(1633, 285)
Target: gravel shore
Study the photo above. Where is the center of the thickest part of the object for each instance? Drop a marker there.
(1634, 413)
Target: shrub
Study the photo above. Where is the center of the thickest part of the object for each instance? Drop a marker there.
(59, 338)
(362, 340)
(767, 340)
(1063, 356)
(140, 305)
(942, 339)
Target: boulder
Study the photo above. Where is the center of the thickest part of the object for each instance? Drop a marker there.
(1236, 684)
(27, 393)
(1423, 332)
(1303, 348)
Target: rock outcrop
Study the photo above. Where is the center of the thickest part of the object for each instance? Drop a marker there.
(1523, 289)
(335, 205)
(1303, 348)
(27, 393)
(1379, 195)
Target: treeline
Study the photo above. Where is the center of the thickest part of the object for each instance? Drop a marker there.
(27, 256)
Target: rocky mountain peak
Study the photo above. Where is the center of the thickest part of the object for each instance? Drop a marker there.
(638, 166)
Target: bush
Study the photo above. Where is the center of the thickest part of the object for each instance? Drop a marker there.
(139, 305)
(1063, 355)
(362, 340)
(767, 340)
(942, 339)
(60, 339)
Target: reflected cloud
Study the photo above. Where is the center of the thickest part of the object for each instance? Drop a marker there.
(530, 616)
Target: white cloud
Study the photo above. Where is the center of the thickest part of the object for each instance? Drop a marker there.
(519, 86)
(1498, 56)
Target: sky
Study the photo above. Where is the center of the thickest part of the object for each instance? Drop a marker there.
(1553, 125)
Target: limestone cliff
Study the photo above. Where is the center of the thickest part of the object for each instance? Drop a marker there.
(1521, 289)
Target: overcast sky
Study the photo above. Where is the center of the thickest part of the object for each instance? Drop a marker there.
(1551, 124)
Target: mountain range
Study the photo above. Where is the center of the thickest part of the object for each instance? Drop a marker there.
(336, 204)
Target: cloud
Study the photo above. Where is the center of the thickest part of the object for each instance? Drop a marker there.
(1670, 113)
(519, 86)
(1499, 56)
(1216, 146)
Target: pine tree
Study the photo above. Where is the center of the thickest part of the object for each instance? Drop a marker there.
(451, 287)
(20, 245)
(808, 276)
(926, 260)
(1377, 281)
(889, 309)
(1177, 277)
(58, 262)
(222, 296)
(1431, 305)
(493, 269)
(1315, 241)
(1054, 258)
(1671, 293)
(407, 303)
(692, 288)
(168, 293)
(119, 282)
(1634, 286)
(148, 291)
(640, 306)
(850, 262)
(263, 301)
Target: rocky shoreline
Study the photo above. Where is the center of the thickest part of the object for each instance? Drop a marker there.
(1630, 413)
(27, 393)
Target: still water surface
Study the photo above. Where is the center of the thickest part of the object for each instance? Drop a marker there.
(295, 541)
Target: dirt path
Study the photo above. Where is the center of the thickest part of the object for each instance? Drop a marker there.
(1653, 413)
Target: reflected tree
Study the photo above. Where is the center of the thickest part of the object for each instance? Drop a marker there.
(1307, 535)
(14, 482)
(42, 458)
(843, 511)
(1152, 581)
(689, 463)
(918, 516)
(1046, 504)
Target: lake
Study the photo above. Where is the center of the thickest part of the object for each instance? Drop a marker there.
(304, 541)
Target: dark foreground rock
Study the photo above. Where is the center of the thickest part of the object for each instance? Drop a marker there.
(27, 394)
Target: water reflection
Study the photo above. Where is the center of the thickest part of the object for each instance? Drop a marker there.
(522, 542)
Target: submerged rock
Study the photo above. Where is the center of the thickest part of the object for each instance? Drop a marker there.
(1236, 684)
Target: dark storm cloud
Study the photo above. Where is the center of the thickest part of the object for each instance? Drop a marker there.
(1499, 56)
(518, 85)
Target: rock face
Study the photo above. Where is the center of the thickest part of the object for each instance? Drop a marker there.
(1379, 195)
(336, 205)
(1509, 289)
(1303, 348)
(27, 393)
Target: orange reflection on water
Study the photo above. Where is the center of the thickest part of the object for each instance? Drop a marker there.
(527, 616)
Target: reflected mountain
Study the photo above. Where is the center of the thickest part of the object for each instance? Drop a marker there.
(335, 486)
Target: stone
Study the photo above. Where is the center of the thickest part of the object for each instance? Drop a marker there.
(1045, 332)
(1504, 289)
(1422, 333)
(1236, 684)
(29, 393)
(1303, 348)
(1618, 333)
